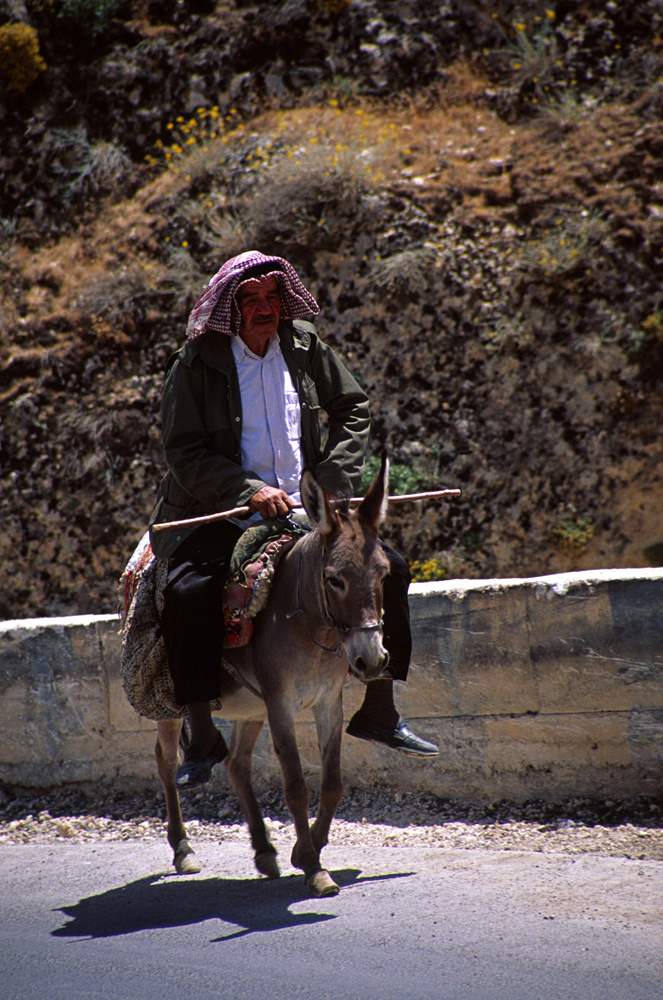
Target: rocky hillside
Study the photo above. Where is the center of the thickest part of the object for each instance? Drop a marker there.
(473, 190)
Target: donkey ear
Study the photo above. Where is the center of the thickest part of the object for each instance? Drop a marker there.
(316, 504)
(373, 508)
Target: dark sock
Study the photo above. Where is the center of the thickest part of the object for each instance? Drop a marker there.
(378, 705)
(204, 733)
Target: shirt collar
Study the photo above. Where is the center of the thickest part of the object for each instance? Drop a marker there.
(243, 354)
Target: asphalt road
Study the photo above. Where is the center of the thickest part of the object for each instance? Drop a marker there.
(106, 921)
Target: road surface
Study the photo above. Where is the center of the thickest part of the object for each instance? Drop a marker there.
(107, 921)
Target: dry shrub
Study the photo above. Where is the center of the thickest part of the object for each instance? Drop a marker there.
(224, 232)
(113, 295)
(90, 448)
(85, 168)
(20, 61)
(310, 191)
(572, 241)
(180, 277)
(228, 235)
(407, 269)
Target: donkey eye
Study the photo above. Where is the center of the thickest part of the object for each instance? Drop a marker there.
(335, 581)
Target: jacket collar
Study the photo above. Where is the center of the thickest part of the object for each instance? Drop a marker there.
(216, 348)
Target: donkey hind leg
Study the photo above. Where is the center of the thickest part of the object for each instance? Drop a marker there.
(305, 855)
(168, 736)
(329, 725)
(238, 763)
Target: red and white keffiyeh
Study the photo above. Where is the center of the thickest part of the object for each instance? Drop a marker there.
(217, 309)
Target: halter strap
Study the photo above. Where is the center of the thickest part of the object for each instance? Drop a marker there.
(330, 620)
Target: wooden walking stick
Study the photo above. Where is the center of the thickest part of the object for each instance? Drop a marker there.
(240, 511)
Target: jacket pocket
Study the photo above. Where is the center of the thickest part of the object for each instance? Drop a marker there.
(310, 393)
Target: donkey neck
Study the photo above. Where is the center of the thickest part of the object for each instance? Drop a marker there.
(310, 605)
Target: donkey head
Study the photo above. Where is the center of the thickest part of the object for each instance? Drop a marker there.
(353, 566)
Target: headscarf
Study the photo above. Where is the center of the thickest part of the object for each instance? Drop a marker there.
(217, 308)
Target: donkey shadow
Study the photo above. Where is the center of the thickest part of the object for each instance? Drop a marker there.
(158, 902)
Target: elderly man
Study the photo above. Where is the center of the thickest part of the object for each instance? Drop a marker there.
(239, 422)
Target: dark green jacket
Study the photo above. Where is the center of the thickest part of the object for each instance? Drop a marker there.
(201, 427)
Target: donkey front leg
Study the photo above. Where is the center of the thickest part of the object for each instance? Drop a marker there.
(166, 752)
(304, 856)
(329, 725)
(238, 763)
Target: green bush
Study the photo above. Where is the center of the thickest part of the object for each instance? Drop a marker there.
(572, 536)
(90, 17)
(403, 479)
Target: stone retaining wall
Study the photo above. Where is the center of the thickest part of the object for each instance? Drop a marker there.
(541, 688)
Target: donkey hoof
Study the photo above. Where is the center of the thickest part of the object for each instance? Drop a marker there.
(185, 860)
(321, 883)
(267, 864)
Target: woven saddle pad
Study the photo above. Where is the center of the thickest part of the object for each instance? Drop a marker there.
(146, 678)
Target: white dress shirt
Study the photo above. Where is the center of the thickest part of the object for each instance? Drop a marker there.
(271, 417)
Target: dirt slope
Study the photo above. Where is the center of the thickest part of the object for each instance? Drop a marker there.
(473, 192)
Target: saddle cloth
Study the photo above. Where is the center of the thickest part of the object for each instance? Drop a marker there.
(145, 675)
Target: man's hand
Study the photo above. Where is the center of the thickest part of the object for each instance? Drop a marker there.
(271, 502)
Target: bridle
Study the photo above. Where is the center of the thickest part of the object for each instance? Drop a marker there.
(298, 612)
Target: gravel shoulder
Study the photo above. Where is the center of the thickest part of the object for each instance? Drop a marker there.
(366, 818)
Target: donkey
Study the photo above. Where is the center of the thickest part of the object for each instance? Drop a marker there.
(326, 601)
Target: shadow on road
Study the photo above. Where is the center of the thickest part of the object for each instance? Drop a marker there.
(158, 901)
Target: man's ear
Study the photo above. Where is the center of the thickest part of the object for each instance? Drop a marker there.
(320, 512)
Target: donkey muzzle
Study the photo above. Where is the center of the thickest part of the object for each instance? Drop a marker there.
(366, 654)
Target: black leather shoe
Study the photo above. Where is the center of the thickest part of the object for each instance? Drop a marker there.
(196, 768)
(401, 738)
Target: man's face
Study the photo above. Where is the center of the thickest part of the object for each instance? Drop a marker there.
(260, 309)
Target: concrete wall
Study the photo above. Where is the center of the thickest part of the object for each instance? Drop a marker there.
(547, 687)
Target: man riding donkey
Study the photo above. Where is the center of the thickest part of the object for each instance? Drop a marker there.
(239, 423)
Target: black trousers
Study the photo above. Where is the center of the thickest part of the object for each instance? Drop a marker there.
(192, 623)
